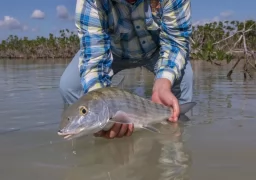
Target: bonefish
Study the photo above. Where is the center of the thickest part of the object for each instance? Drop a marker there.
(100, 109)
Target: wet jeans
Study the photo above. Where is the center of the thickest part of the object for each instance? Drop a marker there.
(71, 89)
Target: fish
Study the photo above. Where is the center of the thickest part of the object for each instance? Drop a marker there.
(99, 109)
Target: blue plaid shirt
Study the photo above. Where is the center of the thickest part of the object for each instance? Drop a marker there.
(131, 32)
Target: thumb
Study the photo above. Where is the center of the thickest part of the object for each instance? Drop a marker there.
(156, 99)
(176, 110)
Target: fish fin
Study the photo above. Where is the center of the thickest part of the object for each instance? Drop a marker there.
(120, 85)
(108, 126)
(184, 108)
(121, 117)
(150, 128)
(184, 118)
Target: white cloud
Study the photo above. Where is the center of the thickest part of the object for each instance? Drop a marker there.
(215, 19)
(35, 29)
(25, 28)
(221, 17)
(38, 14)
(205, 21)
(12, 24)
(62, 12)
(226, 14)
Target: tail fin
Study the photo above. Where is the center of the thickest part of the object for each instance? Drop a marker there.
(183, 118)
(184, 108)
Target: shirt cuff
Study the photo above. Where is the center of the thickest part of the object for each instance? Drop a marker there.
(90, 86)
(95, 86)
(166, 74)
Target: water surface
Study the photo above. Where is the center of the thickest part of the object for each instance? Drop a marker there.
(217, 143)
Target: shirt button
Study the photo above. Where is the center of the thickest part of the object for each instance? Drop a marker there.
(137, 27)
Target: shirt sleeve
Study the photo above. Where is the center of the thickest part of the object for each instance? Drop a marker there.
(175, 32)
(95, 56)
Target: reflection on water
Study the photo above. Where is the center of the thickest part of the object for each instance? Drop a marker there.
(216, 144)
(143, 156)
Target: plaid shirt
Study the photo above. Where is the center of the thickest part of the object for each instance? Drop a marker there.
(131, 32)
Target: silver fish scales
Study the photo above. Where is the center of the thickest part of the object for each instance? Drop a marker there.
(101, 108)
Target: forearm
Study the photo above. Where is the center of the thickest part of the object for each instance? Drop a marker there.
(95, 59)
(174, 39)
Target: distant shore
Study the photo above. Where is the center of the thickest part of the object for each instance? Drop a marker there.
(226, 40)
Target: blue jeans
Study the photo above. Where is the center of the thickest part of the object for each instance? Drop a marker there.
(71, 89)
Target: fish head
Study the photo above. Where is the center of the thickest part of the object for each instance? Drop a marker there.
(85, 117)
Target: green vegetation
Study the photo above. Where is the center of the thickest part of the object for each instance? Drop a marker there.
(224, 41)
(64, 46)
(216, 42)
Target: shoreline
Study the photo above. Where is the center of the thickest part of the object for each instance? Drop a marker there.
(215, 41)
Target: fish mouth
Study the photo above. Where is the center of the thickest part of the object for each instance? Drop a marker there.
(69, 135)
(65, 135)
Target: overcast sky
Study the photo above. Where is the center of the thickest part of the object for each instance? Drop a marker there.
(40, 17)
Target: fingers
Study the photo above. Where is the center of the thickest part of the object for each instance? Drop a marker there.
(176, 109)
(118, 130)
(114, 130)
(130, 130)
(123, 130)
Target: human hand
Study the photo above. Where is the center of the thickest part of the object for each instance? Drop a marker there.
(118, 130)
(162, 94)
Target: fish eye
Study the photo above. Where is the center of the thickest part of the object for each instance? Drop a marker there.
(83, 110)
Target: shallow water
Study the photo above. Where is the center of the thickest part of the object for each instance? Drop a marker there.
(217, 143)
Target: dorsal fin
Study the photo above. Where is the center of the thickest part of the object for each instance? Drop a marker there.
(120, 85)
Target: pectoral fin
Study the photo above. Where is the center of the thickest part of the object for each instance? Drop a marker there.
(121, 117)
(150, 128)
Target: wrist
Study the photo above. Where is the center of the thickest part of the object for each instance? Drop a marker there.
(167, 76)
(162, 84)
